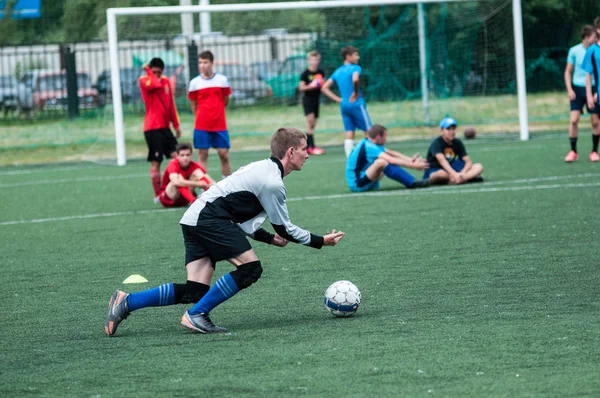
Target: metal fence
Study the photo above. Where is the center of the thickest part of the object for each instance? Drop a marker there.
(59, 81)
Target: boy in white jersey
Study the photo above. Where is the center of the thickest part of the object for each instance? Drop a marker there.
(575, 77)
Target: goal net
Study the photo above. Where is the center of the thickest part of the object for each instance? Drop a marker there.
(454, 58)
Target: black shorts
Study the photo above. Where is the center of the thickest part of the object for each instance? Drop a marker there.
(581, 100)
(311, 106)
(161, 142)
(217, 239)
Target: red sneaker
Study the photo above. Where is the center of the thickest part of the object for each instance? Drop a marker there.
(315, 151)
(594, 157)
(572, 156)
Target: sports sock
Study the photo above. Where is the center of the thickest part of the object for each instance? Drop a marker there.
(187, 194)
(573, 142)
(155, 178)
(156, 297)
(310, 140)
(595, 140)
(348, 146)
(223, 289)
(397, 173)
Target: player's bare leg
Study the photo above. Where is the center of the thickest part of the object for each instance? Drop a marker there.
(595, 119)
(375, 171)
(473, 172)
(440, 177)
(573, 132)
(155, 178)
(225, 163)
(203, 158)
(311, 122)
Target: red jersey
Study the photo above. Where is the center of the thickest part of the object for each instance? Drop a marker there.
(160, 104)
(210, 95)
(175, 167)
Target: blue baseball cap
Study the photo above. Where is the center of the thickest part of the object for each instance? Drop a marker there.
(447, 122)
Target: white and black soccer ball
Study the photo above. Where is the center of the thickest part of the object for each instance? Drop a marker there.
(342, 298)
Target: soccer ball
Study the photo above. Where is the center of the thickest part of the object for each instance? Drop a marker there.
(342, 298)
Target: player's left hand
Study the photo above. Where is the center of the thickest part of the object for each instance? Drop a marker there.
(279, 241)
(353, 98)
(178, 132)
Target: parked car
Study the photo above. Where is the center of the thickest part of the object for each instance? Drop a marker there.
(246, 88)
(8, 93)
(41, 89)
(265, 70)
(285, 84)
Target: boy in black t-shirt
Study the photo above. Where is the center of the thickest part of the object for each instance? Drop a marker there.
(310, 84)
(448, 159)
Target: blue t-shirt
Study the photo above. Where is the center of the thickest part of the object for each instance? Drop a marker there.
(575, 58)
(342, 76)
(363, 155)
(591, 61)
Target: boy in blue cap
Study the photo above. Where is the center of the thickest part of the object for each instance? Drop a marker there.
(448, 159)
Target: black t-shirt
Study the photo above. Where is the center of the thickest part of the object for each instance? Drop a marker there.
(451, 152)
(307, 77)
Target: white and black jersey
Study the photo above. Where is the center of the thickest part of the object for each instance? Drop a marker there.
(247, 198)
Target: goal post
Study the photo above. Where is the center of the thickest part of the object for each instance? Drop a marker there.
(113, 41)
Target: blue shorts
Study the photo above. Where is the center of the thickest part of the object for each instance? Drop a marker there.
(355, 116)
(581, 100)
(363, 184)
(211, 139)
(457, 166)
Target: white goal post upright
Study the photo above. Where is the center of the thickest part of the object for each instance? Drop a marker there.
(112, 13)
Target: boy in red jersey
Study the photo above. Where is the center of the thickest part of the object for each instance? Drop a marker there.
(161, 112)
(209, 95)
(180, 175)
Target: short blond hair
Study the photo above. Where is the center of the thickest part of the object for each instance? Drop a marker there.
(313, 53)
(284, 139)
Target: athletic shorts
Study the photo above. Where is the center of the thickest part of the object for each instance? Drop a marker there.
(311, 106)
(168, 202)
(581, 100)
(161, 142)
(217, 239)
(211, 139)
(355, 116)
(363, 184)
(457, 166)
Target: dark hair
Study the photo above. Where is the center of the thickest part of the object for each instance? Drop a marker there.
(284, 139)
(207, 55)
(597, 22)
(348, 50)
(587, 31)
(376, 131)
(183, 146)
(157, 63)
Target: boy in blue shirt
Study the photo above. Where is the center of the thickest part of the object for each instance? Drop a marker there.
(352, 102)
(576, 88)
(369, 161)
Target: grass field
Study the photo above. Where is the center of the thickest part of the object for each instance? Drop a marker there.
(483, 290)
(86, 138)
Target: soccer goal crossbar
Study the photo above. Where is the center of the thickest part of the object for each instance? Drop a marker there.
(113, 13)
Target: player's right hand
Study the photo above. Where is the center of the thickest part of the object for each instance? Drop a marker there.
(145, 67)
(572, 95)
(279, 241)
(332, 238)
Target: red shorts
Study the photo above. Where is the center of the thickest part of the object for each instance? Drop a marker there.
(168, 202)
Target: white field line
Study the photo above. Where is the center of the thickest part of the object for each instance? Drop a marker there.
(431, 191)
(45, 170)
(72, 180)
(140, 175)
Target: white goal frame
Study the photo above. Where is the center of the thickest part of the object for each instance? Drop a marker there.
(113, 13)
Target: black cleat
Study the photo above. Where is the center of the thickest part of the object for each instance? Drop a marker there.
(420, 184)
(477, 179)
(201, 323)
